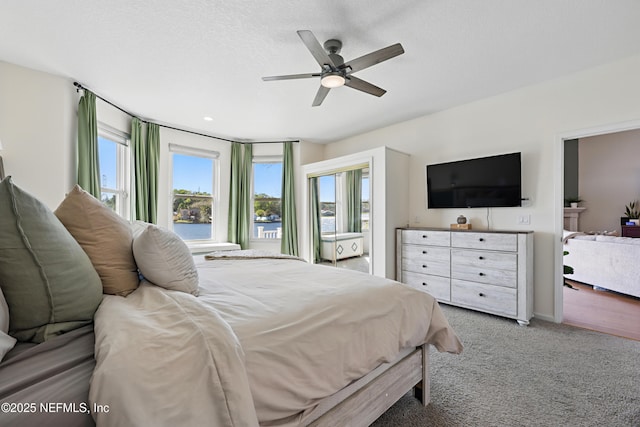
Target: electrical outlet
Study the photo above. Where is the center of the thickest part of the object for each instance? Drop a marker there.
(524, 219)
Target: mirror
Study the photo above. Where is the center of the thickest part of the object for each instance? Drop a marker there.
(340, 223)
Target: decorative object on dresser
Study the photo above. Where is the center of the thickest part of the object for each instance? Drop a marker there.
(461, 224)
(490, 271)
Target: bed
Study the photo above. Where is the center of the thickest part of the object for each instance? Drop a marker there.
(236, 338)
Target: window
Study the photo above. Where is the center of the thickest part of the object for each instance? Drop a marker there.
(328, 207)
(193, 199)
(267, 197)
(113, 157)
(365, 200)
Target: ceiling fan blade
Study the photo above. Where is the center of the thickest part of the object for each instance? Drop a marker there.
(315, 48)
(320, 96)
(356, 83)
(292, 76)
(374, 58)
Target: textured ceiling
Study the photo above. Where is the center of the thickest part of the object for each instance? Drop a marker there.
(175, 62)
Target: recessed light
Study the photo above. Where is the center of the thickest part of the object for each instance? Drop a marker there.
(208, 119)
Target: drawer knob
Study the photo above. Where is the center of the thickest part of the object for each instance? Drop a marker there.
(424, 252)
(424, 236)
(424, 266)
(480, 294)
(481, 239)
(424, 284)
(480, 257)
(481, 274)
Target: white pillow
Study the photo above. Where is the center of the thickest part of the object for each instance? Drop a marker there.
(6, 342)
(165, 260)
(137, 227)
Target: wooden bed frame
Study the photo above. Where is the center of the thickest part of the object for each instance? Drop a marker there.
(366, 399)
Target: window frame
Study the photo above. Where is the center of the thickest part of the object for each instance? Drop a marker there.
(215, 187)
(365, 175)
(123, 188)
(263, 159)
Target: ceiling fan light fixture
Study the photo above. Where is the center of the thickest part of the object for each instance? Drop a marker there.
(332, 80)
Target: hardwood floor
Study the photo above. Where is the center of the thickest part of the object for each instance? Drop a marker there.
(602, 311)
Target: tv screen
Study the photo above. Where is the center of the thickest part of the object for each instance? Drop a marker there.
(483, 182)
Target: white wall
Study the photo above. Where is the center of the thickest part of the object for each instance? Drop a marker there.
(530, 120)
(37, 128)
(609, 178)
(37, 131)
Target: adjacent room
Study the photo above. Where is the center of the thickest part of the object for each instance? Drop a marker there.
(600, 176)
(319, 213)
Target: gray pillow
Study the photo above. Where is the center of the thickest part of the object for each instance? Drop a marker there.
(48, 281)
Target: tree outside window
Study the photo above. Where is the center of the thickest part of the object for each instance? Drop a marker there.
(192, 201)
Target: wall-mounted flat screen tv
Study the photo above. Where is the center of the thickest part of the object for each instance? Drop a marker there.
(493, 181)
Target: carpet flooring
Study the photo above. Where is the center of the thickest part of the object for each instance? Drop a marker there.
(546, 374)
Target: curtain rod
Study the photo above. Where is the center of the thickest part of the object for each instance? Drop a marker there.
(81, 87)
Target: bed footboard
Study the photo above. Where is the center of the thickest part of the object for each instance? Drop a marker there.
(369, 402)
(422, 390)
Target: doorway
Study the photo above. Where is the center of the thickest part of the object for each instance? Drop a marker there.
(585, 304)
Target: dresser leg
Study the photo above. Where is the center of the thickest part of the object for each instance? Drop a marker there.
(523, 322)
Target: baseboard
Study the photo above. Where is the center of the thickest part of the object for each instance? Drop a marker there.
(546, 317)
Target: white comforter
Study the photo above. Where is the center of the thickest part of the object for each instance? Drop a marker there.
(265, 340)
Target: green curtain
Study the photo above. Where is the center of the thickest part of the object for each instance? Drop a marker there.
(354, 200)
(234, 192)
(153, 167)
(139, 169)
(146, 156)
(240, 194)
(88, 163)
(316, 227)
(289, 241)
(245, 213)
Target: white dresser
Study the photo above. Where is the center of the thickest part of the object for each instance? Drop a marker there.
(490, 271)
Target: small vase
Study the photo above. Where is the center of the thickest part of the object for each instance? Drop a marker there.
(574, 204)
(462, 219)
(635, 221)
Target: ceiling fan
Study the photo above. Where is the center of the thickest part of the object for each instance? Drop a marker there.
(334, 71)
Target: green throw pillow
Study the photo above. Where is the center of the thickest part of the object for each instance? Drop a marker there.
(48, 281)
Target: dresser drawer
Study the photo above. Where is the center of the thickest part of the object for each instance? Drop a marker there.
(437, 268)
(483, 259)
(425, 253)
(494, 299)
(486, 241)
(503, 278)
(436, 286)
(426, 237)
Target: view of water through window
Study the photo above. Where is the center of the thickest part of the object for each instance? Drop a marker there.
(192, 197)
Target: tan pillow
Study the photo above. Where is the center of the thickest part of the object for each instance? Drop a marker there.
(105, 237)
(165, 260)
